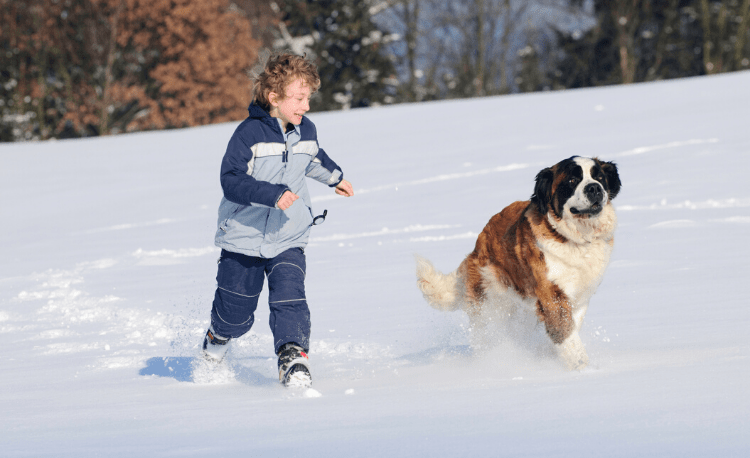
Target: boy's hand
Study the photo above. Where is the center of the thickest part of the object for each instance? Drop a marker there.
(345, 189)
(286, 200)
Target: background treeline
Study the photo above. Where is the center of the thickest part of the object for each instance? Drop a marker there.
(73, 68)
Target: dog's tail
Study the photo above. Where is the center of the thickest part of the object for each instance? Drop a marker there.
(439, 290)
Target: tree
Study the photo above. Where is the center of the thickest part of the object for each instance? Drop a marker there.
(196, 55)
(475, 37)
(404, 16)
(94, 67)
(644, 40)
(725, 35)
(347, 45)
(37, 45)
(463, 49)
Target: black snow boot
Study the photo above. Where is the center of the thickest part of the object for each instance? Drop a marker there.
(294, 367)
(215, 346)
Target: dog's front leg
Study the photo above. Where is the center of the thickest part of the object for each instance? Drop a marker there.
(573, 353)
(555, 310)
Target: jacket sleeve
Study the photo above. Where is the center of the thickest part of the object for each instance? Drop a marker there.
(238, 186)
(323, 169)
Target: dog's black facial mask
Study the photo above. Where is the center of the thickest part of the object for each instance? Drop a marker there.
(543, 196)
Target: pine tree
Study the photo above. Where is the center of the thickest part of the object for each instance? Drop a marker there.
(346, 45)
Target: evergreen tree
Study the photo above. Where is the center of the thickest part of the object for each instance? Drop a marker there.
(346, 44)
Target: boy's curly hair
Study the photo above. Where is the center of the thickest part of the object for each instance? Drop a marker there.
(279, 70)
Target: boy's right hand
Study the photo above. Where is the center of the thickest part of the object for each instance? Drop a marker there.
(286, 200)
(345, 189)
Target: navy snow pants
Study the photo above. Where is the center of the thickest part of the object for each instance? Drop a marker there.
(240, 281)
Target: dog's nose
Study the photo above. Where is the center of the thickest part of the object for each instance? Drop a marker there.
(594, 192)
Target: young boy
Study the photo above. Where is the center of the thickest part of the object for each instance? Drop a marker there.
(265, 216)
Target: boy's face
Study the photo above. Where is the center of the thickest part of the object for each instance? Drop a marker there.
(296, 103)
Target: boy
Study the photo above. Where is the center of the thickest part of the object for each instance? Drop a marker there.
(265, 216)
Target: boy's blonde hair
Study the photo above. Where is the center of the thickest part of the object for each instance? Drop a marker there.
(280, 70)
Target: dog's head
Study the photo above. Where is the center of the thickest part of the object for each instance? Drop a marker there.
(578, 187)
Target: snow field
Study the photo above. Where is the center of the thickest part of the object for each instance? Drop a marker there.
(108, 276)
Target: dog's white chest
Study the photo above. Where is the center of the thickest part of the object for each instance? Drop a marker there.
(576, 269)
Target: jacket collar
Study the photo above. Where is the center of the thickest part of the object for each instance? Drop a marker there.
(287, 131)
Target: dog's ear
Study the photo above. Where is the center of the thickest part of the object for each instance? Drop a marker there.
(613, 178)
(542, 196)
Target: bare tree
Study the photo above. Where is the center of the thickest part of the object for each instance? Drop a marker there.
(455, 48)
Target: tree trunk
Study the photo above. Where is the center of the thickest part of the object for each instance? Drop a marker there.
(106, 100)
(481, 49)
(670, 23)
(411, 17)
(504, 44)
(708, 45)
(42, 60)
(742, 31)
(626, 24)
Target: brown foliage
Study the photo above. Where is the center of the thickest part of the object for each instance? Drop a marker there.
(207, 51)
(197, 54)
(101, 66)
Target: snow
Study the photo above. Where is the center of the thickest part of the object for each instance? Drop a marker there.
(108, 273)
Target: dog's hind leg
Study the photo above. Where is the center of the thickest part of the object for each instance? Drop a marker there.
(479, 333)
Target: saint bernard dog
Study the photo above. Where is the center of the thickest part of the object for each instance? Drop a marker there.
(544, 257)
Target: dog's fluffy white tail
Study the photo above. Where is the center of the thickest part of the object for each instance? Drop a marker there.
(439, 290)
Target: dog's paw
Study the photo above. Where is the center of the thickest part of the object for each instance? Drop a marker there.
(573, 353)
(579, 364)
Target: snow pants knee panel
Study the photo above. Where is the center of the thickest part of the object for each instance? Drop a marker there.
(240, 281)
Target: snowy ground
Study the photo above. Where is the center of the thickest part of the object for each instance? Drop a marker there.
(108, 272)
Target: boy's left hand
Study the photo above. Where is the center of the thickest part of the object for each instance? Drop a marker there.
(345, 189)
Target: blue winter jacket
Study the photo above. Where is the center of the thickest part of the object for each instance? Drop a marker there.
(258, 167)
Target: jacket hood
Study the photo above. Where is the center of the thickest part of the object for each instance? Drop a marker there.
(258, 112)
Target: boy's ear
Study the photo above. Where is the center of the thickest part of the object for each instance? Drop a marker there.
(273, 99)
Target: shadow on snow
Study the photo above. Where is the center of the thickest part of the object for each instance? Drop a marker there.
(181, 369)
